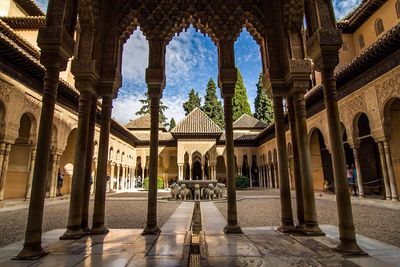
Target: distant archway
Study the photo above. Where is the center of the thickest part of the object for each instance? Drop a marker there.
(221, 169)
(67, 161)
(369, 157)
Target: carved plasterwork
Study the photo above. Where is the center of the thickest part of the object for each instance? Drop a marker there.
(356, 105)
(388, 89)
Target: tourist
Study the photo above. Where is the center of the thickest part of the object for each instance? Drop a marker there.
(108, 182)
(60, 180)
(349, 175)
(354, 187)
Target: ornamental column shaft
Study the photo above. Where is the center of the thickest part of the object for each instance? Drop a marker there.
(310, 213)
(359, 171)
(30, 177)
(284, 188)
(88, 179)
(74, 229)
(118, 172)
(53, 175)
(112, 168)
(33, 235)
(4, 169)
(382, 156)
(101, 180)
(155, 80)
(347, 232)
(296, 164)
(392, 178)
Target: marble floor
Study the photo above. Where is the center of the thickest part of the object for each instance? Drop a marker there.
(257, 246)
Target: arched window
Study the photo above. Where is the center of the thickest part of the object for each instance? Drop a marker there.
(361, 41)
(398, 8)
(379, 26)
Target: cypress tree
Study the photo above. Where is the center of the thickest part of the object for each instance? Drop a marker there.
(146, 109)
(240, 100)
(172, 124)
(212, 106)
(193, 102)
(262, 103)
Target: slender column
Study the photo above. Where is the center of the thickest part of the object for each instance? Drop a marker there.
(4, 170)
(112, 168)
(348, 243)
(2, 151)
(310, 213)
(30, 177)
(180, 166)
(392, 178)
(88, 166)
(384, 170)
(53, 175)
(190, 170)
(101, 180)
(296, 165)
(284, 189)
(124, 178)
(74, 229)
(143, 175)
(359, 172)
(151, 223)
(33, 235)
(118, 172)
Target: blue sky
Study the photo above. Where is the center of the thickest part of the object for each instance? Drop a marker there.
(191, 59)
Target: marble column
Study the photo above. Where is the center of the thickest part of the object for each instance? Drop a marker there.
(112, 169)
(33, 235)
(359, 172)
(392, 178)
(118, 177)
(310, 213)
(388, 194)
(347, 233)
(284, 189)
(88, 166)
(151, 222)
(101, 180)
(296, 165)
(180, 171)
(190, 170)
(240, 170)
(4, 169)
(74, 230)
(30, 175)
(53, 174)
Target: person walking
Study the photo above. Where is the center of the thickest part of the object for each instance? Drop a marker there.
(349, 174)
(60, 180)
(354, 186)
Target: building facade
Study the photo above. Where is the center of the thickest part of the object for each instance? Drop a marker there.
(368, 77)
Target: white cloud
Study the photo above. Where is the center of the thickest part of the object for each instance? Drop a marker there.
(343, 7)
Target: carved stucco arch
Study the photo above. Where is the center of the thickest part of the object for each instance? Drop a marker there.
(354, 121)
(386, 114)
(218, 19)
(325, 135)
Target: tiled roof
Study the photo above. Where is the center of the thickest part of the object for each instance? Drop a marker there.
(196, 122)
(145, 136)
(246, 121)
(142, 123)
(240, 137)
(30, 22)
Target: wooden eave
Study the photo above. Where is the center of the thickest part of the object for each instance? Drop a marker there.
(25, 23)
(362, 13)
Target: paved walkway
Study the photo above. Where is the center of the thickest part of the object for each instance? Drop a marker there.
(257, 246)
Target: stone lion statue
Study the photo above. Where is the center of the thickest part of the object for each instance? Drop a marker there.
(185, 193)
(197, 193)
(218, 191)
(175, 190)
(209, 192)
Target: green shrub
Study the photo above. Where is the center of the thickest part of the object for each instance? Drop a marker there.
(160, 183)
(242, 182)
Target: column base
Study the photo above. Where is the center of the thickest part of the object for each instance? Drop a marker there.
(233, 229)
(350, 248)
(395, 199)
(287, 229)
(31, 252)
(300, 227)
(312, 230)
(151, 230)
(99, 230)
(72, 233)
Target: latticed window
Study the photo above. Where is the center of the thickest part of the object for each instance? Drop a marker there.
(379, 26)
(361, 41)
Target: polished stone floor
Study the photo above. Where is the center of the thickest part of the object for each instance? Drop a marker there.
(258, 246)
